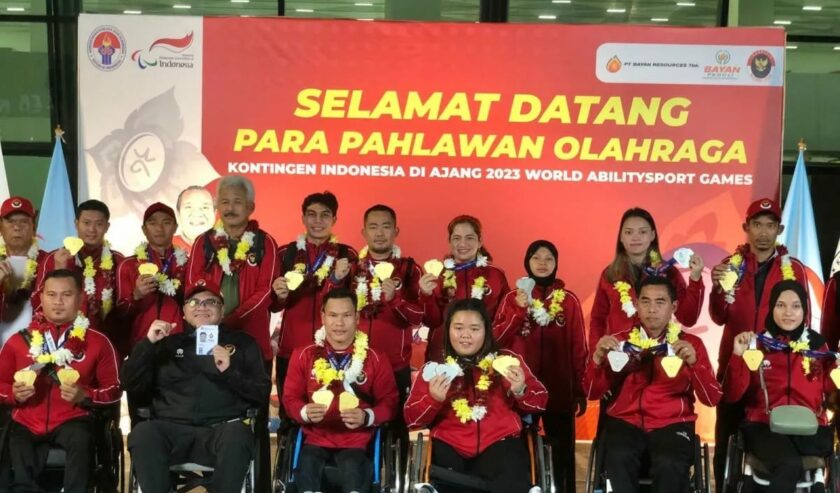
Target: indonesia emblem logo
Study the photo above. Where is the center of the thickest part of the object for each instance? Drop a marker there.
(106, 48)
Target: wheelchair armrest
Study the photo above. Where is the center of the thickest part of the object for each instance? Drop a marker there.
(252, 412)
(144, 413)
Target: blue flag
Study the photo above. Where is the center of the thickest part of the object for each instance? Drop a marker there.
(57, 214)
(800, 235)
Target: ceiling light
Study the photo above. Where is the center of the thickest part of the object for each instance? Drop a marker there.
(561, 1)
(616, 11)
(132, 12)
(305, 11)
(363, 4)
(837, 48)
(239, 1)
(15, 9)
(812, 8)
(685, 4)
(548, 17)
(659, 19)
(781, 23)
(181, 6)
(791, 47)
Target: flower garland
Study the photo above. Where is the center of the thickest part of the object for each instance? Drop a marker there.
(106, 263)
(31, 262)
(323, 371)
(362, 291)
(166, 285)
(395, 252)
(542, 316)
(64, 355)
(478, 288)
(449, 281)
(244, 246)
(800, 346)
(643, 342)
(623, 289)
(463, 411)
(324, 269)
(736, 263)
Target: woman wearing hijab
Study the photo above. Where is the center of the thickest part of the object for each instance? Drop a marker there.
(545, 326)
(796, 371)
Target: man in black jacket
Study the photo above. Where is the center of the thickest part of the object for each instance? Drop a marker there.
(199, 401)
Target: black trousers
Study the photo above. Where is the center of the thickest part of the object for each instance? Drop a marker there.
(729, 418)
(156, 444)
(5, 462)
(28, 453)
(262, 467)
(782, 454)
(504, 464)
(353, 465)
(670, 448)
(560, 433)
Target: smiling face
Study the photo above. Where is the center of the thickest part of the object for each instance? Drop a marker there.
(195, 213)
(464, 242)
(204, 308)
(467, 332)
(340, 319)
(319, 221)
(788, 312)
(91, 227)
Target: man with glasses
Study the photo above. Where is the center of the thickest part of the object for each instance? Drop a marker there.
(198, 398)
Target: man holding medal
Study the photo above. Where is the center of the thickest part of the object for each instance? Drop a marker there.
(338, 389)
(654, 371)
(199, 399)
(52, 374)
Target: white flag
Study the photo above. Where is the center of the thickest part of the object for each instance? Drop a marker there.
(4, 182)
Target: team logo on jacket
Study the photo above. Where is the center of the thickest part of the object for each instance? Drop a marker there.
(560, 320)
(179, 353)
(362, 378)
(252, 259)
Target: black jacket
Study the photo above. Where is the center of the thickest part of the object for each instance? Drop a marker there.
(189, 389)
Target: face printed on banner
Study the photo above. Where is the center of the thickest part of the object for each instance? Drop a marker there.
(234, 207)
(542, 262)
(91, 227)
(159, 230)
(788, 311)
(636, 236)
(17, 231)
(204, 308)
(61, 299)
(467, 332)
(762, 231)
(655, 308)
(464, 243)
(340, 320)
(195, 213)
(319, 221)
(380, 232)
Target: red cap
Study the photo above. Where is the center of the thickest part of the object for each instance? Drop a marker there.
(203, 285)
(158, 207)
(764, 206)
(14, 205)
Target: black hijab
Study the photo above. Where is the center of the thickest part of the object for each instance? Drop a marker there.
(532, 249)
(770, 323)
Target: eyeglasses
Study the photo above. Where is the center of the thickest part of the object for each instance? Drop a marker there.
(208, 303)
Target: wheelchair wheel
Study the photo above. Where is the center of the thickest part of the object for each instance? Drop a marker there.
(834, 473)
(416, 464)
(734, 480)
(545, 464)
(390, 472)
(283, 460)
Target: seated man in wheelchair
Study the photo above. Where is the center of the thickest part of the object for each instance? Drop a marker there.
(338, 389)
(473, 400)
(654, 372)
(202, 382)
(787, 364)
(53, 374)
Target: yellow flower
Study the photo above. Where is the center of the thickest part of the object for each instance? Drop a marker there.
(449, 280)
(29, 273)
(479, 282)
(451, 361)
(485, 364)
(655, 258)
(806, 365)
(462, 410)
(736, 259)
(673, 334)
(556, 305)
(78, 332)
(107, 263)
(483, 382)
(241, 250)
(89, 271)
(635, 338)
(44, 358)
(300, 267)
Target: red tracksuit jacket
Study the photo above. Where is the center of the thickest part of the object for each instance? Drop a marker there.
(608, 318)
(556, 353)
(745, 314)
(496, 288)
(302, 308)
(252, 315)
(378, 384)
(830, 325)
(785, 380)
(155, 306)
(648, 398)
(46, 410)
(504, 411)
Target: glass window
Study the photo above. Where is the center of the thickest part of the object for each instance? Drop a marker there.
(812, 97)
(27, 176)
(422, 10)
(22, 7)
(182, 7)
(656, 12)
(24, 97)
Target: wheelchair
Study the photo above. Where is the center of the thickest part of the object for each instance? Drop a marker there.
(421, 475)
(744, 471)
(189, 475)
(596, 478)
(384, 450)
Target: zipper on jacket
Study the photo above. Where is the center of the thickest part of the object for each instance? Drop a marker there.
(49, 400)
(642, 393)
(789, 376)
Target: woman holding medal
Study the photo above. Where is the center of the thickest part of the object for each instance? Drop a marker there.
(637, 256)
(473, 402)
(543, 321)
(467, 274)
(796, 368)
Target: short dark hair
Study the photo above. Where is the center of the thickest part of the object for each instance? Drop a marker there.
(469, 305)
(381, 208)
(659, 281)
(339, 294)
(326, 198)
(191, 188)
(93, 205)
(65, 274)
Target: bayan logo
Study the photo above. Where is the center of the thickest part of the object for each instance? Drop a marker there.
(166, 53)
(106, 48)
(722, 69)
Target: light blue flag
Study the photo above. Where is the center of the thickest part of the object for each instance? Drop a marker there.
(800, 235)
(55, 219)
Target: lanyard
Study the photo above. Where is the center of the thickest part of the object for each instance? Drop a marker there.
(465, 266)
(339, 364)
(662, 268)
(776, 345)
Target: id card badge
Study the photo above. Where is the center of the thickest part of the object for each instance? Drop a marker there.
(206, 337)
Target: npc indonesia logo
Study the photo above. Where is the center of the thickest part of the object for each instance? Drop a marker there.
(166, 53)
(106, 48)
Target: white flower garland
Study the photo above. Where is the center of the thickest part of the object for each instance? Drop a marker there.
(61, 356)
(395, 252)
(31, 262)
(357, 361)
(242, 248)
(106, 263)
(166, 285)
